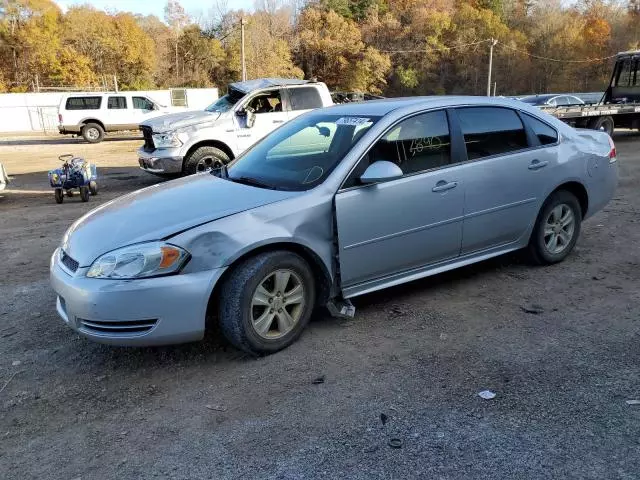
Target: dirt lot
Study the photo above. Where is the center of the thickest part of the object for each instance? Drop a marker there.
(417, 354)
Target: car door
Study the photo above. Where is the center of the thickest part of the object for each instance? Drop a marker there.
(269, 114)
(118, 115)
(390, 228)
(505, 179)
(143, 109)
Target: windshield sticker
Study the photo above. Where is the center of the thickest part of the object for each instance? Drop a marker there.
(353, 121)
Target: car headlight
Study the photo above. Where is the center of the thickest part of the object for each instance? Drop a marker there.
(139, 261)
(166, 140)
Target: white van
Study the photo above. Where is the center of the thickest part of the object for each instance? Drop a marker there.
(93, 114)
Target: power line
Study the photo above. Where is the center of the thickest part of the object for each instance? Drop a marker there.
(548, 59)
(443, 48)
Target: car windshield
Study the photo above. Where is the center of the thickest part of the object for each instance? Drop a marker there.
(226, 102)
(301, 154)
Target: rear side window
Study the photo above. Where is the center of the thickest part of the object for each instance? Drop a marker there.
(304, 98)
(625, 75)
(491, 131)
(83, 103)
(117, 103)
(142, 103)
(544, 132)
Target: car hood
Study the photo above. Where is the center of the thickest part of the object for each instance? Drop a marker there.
(160, 211)
(175, 121)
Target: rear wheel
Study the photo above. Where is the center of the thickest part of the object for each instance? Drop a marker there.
(266, 302)
(604, 124)
(205, 159)
(84, 194)
(59, 195)
(557, 229)
(93, 133)
(93, 187)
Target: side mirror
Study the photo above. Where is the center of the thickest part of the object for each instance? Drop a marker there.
(155, 107)
(251, 118)
(381, 171)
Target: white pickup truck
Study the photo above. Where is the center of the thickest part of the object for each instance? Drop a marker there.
(189, 142)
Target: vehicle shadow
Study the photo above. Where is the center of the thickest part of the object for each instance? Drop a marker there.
(215, 350)
(62, 140)
(624, 136)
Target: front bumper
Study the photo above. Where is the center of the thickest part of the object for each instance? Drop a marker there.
(161, 161)
(144, 312)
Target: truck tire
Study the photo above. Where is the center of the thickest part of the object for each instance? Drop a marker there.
(604, 124)
(204, 159)
(93, 133)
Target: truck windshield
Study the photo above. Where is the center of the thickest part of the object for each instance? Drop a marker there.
(226, 102)
(301, 154)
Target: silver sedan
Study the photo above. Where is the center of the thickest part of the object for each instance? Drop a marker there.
(337, 203)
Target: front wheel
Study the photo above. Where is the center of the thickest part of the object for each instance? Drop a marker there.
(557, 229)
(93, 187)
(59, 195)
(84, 194)
(266, 302)
(205, 159)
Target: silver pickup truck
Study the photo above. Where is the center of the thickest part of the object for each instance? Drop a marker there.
(190, 142)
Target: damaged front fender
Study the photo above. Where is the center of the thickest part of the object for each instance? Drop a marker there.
(303, 223)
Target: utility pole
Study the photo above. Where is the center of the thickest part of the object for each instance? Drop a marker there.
(492, 44)
(244, 66)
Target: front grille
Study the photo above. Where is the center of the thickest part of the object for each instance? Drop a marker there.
(116, 329)
(69, 262)
(147, 134)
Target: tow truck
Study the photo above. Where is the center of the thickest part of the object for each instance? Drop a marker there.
(620, 104)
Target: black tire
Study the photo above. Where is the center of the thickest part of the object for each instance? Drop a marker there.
(605, 124)
(59, 195)
(537, 249)
(197, 160)
(84, 194)
(235, 303)
(93, 133)
(93, 188)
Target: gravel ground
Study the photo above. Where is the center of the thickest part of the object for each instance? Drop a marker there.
(408, 367)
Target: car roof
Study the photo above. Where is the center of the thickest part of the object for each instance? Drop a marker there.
(387, 105)
(251, 85)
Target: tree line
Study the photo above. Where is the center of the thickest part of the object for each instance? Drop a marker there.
(391, 47)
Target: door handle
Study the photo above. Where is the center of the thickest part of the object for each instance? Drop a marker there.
(278, 121)
(443, 186)
(537, 165)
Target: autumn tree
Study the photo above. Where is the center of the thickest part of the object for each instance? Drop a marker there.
(331, 49)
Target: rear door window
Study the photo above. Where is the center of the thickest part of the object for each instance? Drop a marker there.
(83, 103)
(491, 131)
(304, 98)
(546, 134)
(117, 103)
(625, 75)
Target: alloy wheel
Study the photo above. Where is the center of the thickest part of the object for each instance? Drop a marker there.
(277, 304)
(559, 229)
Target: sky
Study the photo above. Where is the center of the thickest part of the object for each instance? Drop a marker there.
(155, 7)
